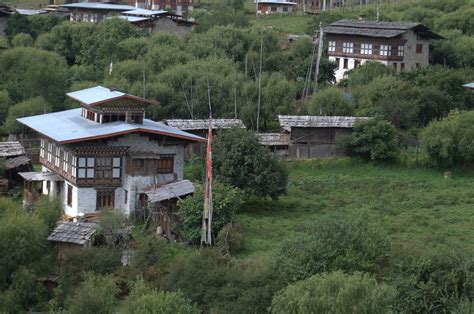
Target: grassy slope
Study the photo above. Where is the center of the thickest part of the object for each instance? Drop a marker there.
(285, 23)
(419, 209)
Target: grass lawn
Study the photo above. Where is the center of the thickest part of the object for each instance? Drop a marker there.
(419, 209)
(285, 23)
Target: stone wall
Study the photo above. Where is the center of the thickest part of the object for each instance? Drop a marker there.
(167, 26)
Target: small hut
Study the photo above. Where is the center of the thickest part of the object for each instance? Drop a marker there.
(201, 128)
(15, 161)
(277, 143)
(316, 136)
(69, 235)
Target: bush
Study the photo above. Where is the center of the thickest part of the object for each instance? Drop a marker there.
(366, 73)
(373, 139)
(49, 211)
(347, 243)
(95, 295)
(227, 200)
(335, 293)
(330, 101)
(163, 303)
(229, 240)
(241, 161)
(22, 40)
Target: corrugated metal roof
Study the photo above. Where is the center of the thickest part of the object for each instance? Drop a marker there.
(170, 191)
(203, 124)
(469, 85)
(68, 127)
(30, 12)
(73, 232)
(98, 6)
(132, 19)
(369, 32)
(9, 149)
(274, 139)
(276, 2)
(40, 176)
(375, 24)
(96, 94)
(16, 162)
(287, 122)
(144, 12)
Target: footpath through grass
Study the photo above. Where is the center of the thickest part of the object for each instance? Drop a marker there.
(419, 209)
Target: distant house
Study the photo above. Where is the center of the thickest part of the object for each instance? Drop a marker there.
(200, 127)
(469, 86)
(5, 13)
(106, 154)
(94, 11)
(69, 235)
(400, 45)
(309, 136)
(180, 7)
(274, 6)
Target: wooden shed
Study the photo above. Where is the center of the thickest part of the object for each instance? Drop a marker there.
(15, 161)
(316, 136)
(69, 235)
(277, 143)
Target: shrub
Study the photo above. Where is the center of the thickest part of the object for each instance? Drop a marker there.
(163, 303)
(335, 293)
(229, 240)
(330, 101)
(338, 242)
(22, 40)
(373, 139)
(226, 201)
(241, 161)
(49, 211)
(366, 73)
(95, 295)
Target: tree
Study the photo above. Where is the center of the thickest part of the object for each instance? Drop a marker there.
(5, 103)
(335, 292)
(227, 200)
(330, 101)
(335, 242)
(17, 23)
(241, 161)
(366, 73)
(163, 302)
(26, 108)
(95, 295)
(373, 139)
(22, 40)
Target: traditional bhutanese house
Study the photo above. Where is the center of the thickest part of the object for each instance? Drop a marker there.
(274, 6)
(95, 11)
(277, 143)
(181, 7)
(106, 152)
(162, 202)
(316, 136)
(162, 21)
(5, 13)
(201, 128)
(15, 161)
(69, 235)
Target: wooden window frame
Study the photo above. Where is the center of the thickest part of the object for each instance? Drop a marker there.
(348, 47)
(165, 164)
(419, 48)
(332, 46)
(401, 50)
(105, 198)
(365, 49)
(385, 50)
(69, 195)
(88, 167)
(345, 63)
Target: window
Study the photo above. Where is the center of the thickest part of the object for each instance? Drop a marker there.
(48, 187)
(142, 200)
(73, 166)
(116, 167)
(57, 159)
(90, 115)
(69, 195)
(137, 118)
(105, 198)
(85, 167)
(338, 62)
(402, 66)
(107, 167)
(356, 63)
(400, 51)
(385, 50)
(125, 197)
(65, 161)
(332, 46)
(348, 47)
(42, 148)
(113, 117)
(346, 63)
(138, 165)
(165, 164)
(419, 48)
(50, 152)
(366, 49)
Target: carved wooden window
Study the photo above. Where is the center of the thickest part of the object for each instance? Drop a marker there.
(116, 167)
(85, 167)
(138, 166)
(103, 167)
(137, 118)
(332, 46)
(42, 148)
(74, 166)
(57, 159)
(65, 161)
(166, 164)
(366, 49)
(105, 198)
(347, 47)
(401, 51)
(69, 195)
(385, 50)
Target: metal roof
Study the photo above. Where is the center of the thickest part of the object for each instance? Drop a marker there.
(9, 149)
(68, 127)
(99, 94)
(203, 124)
(132, 19)
(375, 24)
(144, 12)
(40, 176)
(274, 139)
(287, 122)
(73, 232)
(30, 12)
(276, 2)
(170, 191)
(469, 85)
(369, 32)
(98, 6)
(16, 162)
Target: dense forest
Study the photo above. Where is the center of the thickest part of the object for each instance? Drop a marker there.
(43, 57)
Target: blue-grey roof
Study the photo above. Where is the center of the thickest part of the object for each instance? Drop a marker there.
(133, 19)
(469, 85)
(30, 12)
(96, 94)
(144, 12)
(276, 2)
(68, 127)
(98, 6)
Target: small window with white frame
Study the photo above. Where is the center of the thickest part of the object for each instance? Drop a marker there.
(73, 166)
(42, 148)
(347, 47)
(65, 160)
(57, 159)
(116, 167)
(366, 49)
(332, 46)
(50, 152)
(385, 50)
(85, 167)
(401, 50)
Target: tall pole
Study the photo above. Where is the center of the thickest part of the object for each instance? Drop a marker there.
(318, 60)
(260, 83)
